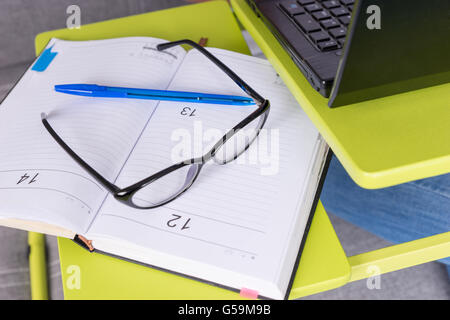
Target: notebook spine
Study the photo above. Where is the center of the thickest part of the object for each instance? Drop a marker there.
(85, 243)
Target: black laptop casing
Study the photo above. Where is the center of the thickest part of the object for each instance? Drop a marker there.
(410, 51)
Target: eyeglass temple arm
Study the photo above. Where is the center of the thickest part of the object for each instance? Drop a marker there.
(108, 185)
(241, 83)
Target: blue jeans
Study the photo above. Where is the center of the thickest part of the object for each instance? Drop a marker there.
(397, 214)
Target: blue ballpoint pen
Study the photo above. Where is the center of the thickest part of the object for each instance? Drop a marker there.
(93, 90)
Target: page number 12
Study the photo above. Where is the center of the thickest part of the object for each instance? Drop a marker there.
(177, 221)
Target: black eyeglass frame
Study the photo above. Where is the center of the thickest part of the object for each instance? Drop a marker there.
(125, 195)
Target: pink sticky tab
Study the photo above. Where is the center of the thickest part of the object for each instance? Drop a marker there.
(248, 293)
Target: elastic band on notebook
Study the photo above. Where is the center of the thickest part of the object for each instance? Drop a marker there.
(248, 293)
(84, 242)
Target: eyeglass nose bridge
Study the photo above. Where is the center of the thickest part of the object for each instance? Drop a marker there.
(126, 195)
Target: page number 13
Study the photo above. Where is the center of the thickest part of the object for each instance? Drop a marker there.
(187, 111)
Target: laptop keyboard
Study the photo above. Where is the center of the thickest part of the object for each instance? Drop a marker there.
(324, 22)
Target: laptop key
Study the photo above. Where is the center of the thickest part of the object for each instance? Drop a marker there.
(341, 41)
(292, 7)
(345, 20)
(331, 4)
(313, 7)
(319, 36)
(347, 2)
(329, 23)
(305, 2)
(327, 45)
(307, 23)
(340, 11)
(338, 32)
(320, 15)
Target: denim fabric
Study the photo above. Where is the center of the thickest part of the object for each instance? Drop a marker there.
(398, 214)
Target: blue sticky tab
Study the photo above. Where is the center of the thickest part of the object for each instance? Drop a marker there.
(44, 60)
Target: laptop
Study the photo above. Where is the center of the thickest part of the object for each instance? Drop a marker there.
(356, 50)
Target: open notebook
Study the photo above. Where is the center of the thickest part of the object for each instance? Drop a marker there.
(240, 225)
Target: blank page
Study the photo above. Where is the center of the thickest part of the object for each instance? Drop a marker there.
(237, 219)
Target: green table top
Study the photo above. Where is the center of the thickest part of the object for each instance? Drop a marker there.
(323, 265)
(381, 142)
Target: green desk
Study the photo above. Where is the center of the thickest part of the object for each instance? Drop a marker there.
(323, 266)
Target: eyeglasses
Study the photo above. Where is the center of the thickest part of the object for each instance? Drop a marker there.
(169, 183)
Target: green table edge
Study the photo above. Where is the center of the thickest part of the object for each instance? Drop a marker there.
(37, 260)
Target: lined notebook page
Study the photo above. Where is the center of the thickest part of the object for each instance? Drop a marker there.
(38, 180)
(236, 218)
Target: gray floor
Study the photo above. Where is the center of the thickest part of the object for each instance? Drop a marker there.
(427, 281)
(14, 270)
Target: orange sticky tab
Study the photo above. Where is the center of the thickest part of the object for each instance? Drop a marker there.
(248, 293)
